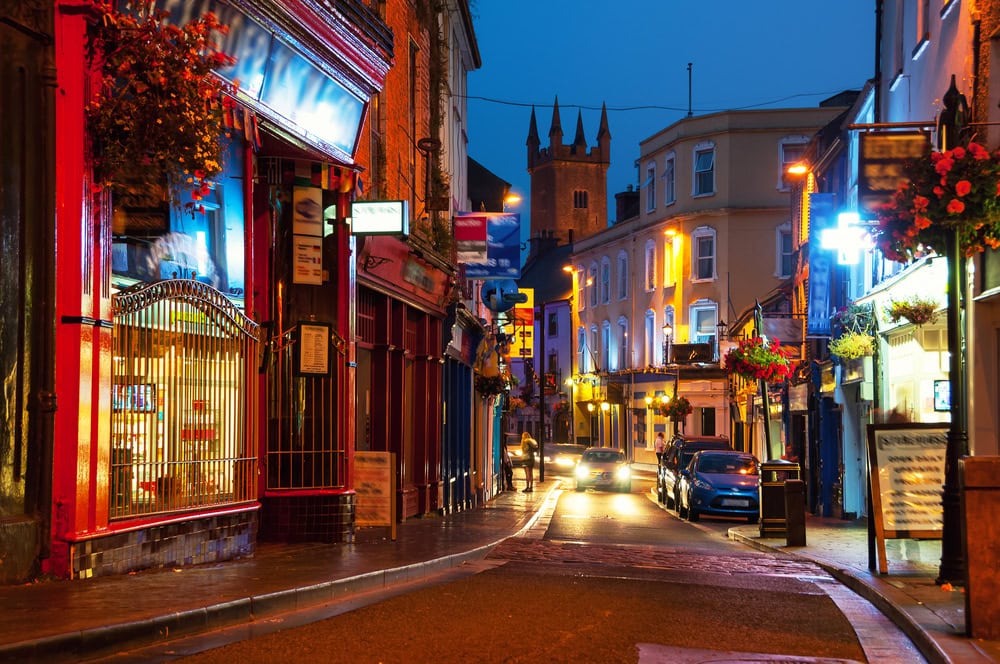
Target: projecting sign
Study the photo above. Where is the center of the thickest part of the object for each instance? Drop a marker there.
(503, 246)
(880, 165)
(380, 217)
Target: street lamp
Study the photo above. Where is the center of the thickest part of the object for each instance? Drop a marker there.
(722, 331)
(668, 330)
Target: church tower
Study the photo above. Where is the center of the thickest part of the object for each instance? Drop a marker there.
(569, 184)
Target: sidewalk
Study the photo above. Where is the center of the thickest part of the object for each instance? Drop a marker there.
(66, 620)
(933, 618)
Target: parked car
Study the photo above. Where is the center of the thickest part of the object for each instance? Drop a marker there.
(677, 456)
(603, 468)
(722, 483)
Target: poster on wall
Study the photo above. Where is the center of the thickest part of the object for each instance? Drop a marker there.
(907, 476)
(307, 260)
(312, 349)
(307, 211)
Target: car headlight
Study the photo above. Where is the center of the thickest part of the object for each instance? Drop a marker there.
(623, 472)
(582, 471)
(702, 484)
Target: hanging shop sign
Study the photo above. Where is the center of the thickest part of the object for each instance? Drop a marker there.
(907, 473)
(503, 246)
(471, 238)
(380, 218)
(881, 158)
(522, 327)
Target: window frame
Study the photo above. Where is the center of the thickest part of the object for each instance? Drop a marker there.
(623, 275)
(623, 344)
(668, 263)
(696, 235)
(694, 309)
(650, 186)
(780, 233)
(649, 266)
(670, 179)
(592, 283)
(784, 181)
(704, 147)
(605, 280)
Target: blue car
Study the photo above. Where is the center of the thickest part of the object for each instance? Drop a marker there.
(721, 483)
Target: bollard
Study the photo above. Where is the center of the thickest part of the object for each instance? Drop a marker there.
(979, 479)
(795, 513)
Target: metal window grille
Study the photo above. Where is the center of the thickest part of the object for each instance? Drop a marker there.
(184, 400)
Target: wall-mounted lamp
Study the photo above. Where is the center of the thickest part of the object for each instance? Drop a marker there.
(723, 329)
(605, 406)
(798, 169)
(590, 407)
(649, 401)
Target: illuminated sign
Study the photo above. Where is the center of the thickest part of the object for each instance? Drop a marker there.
(380, 217)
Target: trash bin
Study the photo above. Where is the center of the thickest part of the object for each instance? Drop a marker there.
(979, 480)
(772, 495)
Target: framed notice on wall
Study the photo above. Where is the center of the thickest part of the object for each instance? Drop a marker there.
(312, 349)
(907, 476)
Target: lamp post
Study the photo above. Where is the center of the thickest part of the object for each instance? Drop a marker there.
(950, 124)
(668, 331)
(720, 334)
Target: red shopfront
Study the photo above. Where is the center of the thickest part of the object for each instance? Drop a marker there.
(179, 435)
(403, 291)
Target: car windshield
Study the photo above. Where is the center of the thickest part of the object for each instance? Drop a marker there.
(602, 455)
(729, 464)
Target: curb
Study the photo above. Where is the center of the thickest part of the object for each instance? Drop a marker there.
(927, 646)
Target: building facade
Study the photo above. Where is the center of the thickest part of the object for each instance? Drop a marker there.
(712, 236)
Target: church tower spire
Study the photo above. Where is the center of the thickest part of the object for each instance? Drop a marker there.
(604, 135)
(555, 132)
(533, 143)
(580, 141)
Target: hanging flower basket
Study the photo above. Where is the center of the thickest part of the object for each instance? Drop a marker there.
(490, 386)
(916, 310)
(758, 358)
(956, 189)
(156, 115)
(852, 345)
(676, 409)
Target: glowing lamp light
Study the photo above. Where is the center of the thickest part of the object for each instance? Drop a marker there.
(798, 168)
(649, 401)
(848, 239)
(590, 407)
(605, 406)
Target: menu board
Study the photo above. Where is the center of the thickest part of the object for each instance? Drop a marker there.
(374, 488)
(907, 480)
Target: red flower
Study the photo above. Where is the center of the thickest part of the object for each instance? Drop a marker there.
(962, 187)
(956, 206)
(943, 165)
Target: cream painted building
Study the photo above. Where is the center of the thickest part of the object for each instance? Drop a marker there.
(713, 234)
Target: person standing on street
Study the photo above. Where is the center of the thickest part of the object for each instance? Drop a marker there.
(529, 446)
(660, 445)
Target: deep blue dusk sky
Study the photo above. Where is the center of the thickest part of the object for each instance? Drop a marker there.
(634, 53)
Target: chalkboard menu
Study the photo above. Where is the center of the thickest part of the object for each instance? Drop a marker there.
(907, 476)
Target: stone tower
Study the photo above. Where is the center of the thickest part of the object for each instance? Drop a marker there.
(569, 184)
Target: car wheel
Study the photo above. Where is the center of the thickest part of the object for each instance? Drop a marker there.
(692, 513)
(681, 510)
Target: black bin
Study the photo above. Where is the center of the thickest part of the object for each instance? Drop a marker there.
(773, 475)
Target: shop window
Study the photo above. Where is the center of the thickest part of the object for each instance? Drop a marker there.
(155, 235)
(184, 401)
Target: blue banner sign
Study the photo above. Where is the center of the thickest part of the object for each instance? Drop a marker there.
(503, 246)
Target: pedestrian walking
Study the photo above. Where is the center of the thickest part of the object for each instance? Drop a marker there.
(508, 471)
(660, 445)
(529, 447)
